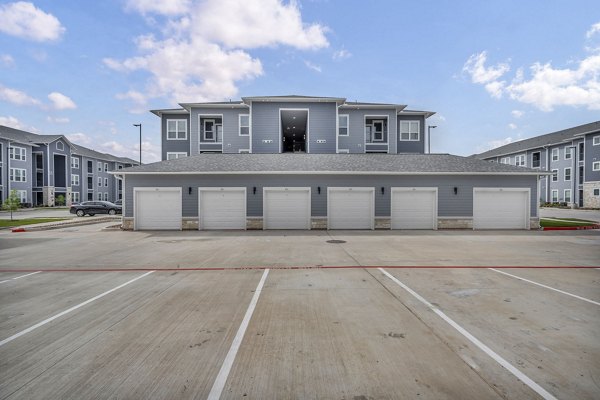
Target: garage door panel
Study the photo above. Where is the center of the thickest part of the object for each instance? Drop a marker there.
(157, 209)
(350, 208)
(286, 208)
(501, 209)
(414, 208)
(222, 209)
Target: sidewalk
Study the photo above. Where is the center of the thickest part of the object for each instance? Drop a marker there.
(64, 223)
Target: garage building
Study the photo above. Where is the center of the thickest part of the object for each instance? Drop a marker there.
(329, 191)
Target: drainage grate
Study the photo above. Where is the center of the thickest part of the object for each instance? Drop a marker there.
(336, 241)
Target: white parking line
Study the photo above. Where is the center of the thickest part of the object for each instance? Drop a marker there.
(495, 356)
(217, 389)
(545, 286)
(19, 277)
(60, 314)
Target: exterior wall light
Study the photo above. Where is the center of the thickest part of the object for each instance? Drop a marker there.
(382, 190)
(319, 189)
(254, 190)
(190, 190)
(455, 190)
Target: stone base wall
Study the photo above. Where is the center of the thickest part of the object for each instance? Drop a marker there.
(189, 224)
(589, 200)
(48, 196)
(534, 223)
(254, 223)
(455, 223)
(383, 223)
(127, 224)
(318, 223)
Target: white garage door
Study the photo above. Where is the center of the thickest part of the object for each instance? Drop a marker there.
(157, 208)
(222, 208)
(414, 208)
(350, 208)
(286, 208)
(500, 208)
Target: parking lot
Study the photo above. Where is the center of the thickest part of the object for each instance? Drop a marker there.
(259, 315)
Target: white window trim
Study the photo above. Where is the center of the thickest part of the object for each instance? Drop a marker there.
(77, 162)
(520, 157)
(62, 146)
(540, 159)
(594, 192)
(99, 166)
(507, 159)
(552, 193)
(75, 177)
(418, 139)
(105, 182)
(214, 139)
(596, 140)
(555, 154)
(382, 130)
(240, 125)
(99, 197)
(596, 166)
(569, 151)
(347, 124)
(76, 197)
(105, 196)
(177, 129)
(105, 167)
(99, 181)
(22, 195)
(307, 141)
(22, 175)
(554, 176)
(22, 153)
(565, 196)
(177, 154)
(565, 174)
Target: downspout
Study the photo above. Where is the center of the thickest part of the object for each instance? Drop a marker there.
(8, 171)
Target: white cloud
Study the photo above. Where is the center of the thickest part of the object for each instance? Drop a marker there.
(38, 55)
(61, 102)
(6, 60)
(492, 144)
(58, 120)
(201, 58)
(150, 152)
(517, 113)
(15, 123)
(312, 66)
(79, 138)
(17, 97)
(341, 54)
(593, 30)
(475, 67)
(24, 20)
(512, 126)
(163, 7)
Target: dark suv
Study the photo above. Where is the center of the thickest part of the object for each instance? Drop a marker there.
(92, 208)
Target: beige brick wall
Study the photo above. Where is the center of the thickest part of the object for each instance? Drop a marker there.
(455, 223)
(589, 200)
(127, 223)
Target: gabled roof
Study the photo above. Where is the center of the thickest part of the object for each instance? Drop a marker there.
(548, 139)
(87, 152)
(25, 137)
(354, 164)
(295, 97)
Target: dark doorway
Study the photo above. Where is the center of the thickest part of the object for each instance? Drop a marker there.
(294, 131)
(580, 197)
(60, 171)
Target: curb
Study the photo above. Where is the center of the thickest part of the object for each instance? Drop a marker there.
(57, 225)
(571, 228)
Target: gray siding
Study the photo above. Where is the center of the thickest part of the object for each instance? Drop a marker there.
(412, 146)
(232, 141)
(560, 165)
(7, 185)
(266, 124)
(355, 141)
(449, 204)
(170, 146)
(592, 154)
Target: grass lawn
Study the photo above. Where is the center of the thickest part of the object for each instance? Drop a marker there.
(7, 223)
(571, 222)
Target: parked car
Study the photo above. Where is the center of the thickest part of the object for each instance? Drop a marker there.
(119, 202)
(92, 208)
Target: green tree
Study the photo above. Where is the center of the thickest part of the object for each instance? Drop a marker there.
(60, 200)
(12, 203)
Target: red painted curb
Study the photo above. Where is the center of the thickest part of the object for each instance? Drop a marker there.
(18, 230)
(298, 267)
(570, 228)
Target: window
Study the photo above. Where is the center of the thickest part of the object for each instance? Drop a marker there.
(99, 196)
(22, 194)
(567, 174)
(174, 156)
(596, 141)
(76, 198)
(581, 152)
(555, 196)
(554, 154)
(17, 153)
(378, 131)
(105, 182)
(520, 160)
(209, 129)
(554, 175)
(105, 196)
(343, 124)
(244, 124)
(18, 175)
(410, 130)
(536, 159)
(567, 195)
(105, 167)
(99, 182)
(75, 162)
(74, 180)
(568, 153)
(505, 160)
(60, 145)
(99, 164)
(176, 129)
(596, 166)
(90, 167)
(596, 192)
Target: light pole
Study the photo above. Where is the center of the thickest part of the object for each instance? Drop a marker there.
(429, 137)
(140, 126)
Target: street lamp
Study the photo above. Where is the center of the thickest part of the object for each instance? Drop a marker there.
(140, 126)
(429, 137)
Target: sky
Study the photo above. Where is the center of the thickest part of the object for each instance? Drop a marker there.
(493, 71)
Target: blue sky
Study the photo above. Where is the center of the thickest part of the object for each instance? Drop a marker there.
(493, 71)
